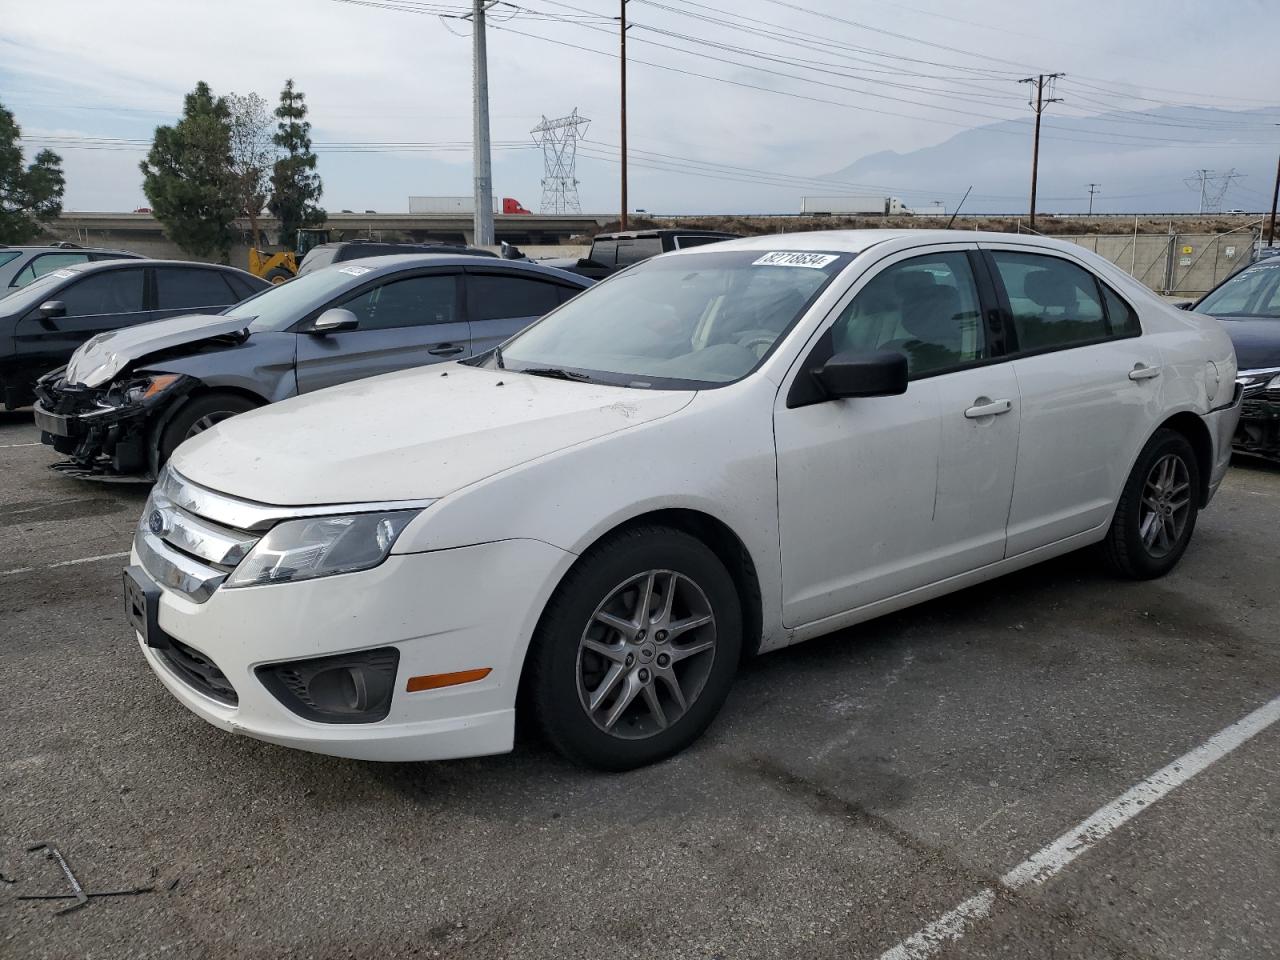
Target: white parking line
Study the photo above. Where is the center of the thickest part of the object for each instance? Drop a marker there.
(66, 563)
(1048, 862)
(6, 446)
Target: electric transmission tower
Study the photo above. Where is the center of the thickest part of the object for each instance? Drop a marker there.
(559, 140)
(1212, 187)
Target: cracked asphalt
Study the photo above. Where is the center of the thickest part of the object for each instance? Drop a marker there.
(855, 787)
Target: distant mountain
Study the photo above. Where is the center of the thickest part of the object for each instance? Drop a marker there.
(1140, 159)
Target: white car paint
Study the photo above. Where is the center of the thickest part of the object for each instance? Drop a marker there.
(847, 509)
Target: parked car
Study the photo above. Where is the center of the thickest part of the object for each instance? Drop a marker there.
(610, 252)
(44, 322)
(327, 254)
(127, 399)
(19, 266)
(719, 452)
(1249, 304)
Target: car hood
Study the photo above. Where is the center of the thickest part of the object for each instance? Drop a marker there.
(1257, 342)
(99, 359)
(415, 434)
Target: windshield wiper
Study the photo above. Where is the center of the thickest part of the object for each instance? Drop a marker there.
(554, 373)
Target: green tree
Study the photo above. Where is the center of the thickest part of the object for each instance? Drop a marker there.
(295, 185)
(252, 152)
(28, 194)
(188, 179)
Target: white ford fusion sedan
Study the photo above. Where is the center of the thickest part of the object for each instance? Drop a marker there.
(715, 453)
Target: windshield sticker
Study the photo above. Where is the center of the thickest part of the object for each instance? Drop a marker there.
(355, 271)
(782, 258)
(64, 274)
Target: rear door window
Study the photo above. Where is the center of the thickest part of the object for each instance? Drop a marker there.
(46, 263)
(492, 297)
(641, 248)
(1055, 303)
(604, 252)
(108, 291)
(684, 242)
(181, 288)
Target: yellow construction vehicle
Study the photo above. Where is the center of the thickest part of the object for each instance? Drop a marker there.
(280, 265)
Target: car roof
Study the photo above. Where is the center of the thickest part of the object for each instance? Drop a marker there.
(50, 248)
(98, 265)
(856, 241)
(396, 262)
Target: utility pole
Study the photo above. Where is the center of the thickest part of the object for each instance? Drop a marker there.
(622, 34)
(1093, 188)
(1275, 195)
(1039, 104)
(482, 219)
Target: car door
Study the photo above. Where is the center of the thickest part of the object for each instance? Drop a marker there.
(403, 321)
(95, 303)
(502, 303)
(1089, 384)
(880, 495)
(191, 289)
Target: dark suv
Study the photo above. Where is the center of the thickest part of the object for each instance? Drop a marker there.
(327, 254)
(44, 322)
(610, 252)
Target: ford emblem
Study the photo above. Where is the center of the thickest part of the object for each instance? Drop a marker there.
(156, 523)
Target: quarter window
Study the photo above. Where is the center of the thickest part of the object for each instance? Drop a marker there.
(411, 302)
(108, 291)
(179, 288)
(498, 298)
(1055, 304)
(1121, 318)
(925, 308)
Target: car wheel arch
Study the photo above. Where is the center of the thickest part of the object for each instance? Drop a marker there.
(200, 389)
(1191, 425)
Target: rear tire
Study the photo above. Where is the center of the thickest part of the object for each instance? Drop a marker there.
(1157, 512)
(199, 415)
(617, 689)
(277, 275)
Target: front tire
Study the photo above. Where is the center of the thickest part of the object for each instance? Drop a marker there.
(1157, 512)
(199, 415)
(636, 651)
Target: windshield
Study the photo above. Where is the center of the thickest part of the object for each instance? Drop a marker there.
(282, 306)
(36, 292)
(692, 320)
(1253, 292)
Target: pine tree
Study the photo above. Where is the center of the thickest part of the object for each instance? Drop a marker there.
(295, 186)
(187, 177)
(28, 194)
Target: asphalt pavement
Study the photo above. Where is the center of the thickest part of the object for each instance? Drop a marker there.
(855, 789)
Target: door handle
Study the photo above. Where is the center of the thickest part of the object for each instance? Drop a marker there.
(988, 408)
(1141, 371)
(446, 350)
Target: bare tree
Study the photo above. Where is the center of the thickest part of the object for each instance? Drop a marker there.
(252, 155)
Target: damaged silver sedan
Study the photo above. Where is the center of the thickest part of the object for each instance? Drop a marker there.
(128, 398)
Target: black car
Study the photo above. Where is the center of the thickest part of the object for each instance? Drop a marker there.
(43, 323)
(327, 254)
(1248, 303)
(610, 252)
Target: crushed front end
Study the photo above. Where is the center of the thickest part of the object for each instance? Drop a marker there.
(110, 430)
(1258, 434)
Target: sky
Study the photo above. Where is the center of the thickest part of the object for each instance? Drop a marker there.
(735, 106)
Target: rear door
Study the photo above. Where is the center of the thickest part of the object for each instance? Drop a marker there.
(1089, 387)
(191, 289)
(405, 320)
(104, 300)
(501, 304)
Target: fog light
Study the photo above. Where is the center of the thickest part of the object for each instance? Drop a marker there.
(347, 688)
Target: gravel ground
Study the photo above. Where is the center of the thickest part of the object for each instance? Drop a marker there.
(855, 788)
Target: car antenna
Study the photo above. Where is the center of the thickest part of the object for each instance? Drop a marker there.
(958, 206)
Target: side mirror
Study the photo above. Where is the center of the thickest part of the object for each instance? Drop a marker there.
(1185, 304)
(879, 374)
(333, 320)
(52, 308)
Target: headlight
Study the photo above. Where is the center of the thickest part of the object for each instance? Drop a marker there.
(148, 387)
(320, 547)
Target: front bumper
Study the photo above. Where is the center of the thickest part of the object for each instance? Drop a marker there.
(1258, 433)
(444, 611)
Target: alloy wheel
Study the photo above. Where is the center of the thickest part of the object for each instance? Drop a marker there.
(645, 655)
(1166, 503)
(205, 422)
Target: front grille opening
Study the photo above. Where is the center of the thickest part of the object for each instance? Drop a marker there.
(199, 671)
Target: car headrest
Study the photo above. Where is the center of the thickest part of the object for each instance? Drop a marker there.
(929, 314)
